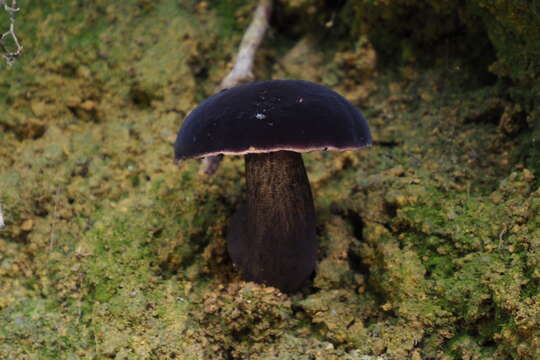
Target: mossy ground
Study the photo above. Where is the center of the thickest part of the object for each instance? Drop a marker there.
(430, 240)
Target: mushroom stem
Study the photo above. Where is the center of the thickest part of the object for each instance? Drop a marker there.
(273, 240)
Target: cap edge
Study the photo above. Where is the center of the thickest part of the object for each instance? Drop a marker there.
(252, 150)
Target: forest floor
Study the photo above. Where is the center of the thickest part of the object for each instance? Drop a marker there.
(430, 239)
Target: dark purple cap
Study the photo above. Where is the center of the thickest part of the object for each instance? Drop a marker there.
(273, 115)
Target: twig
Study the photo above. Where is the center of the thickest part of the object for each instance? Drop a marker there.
(2, 225)
(242, 70)
(501, 235)
(10, 56)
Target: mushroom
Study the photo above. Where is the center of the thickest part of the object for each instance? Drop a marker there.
(272, 238)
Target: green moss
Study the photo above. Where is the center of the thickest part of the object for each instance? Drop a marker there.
(429, 239)
(474, 260)
(228, 12)
(495, 41)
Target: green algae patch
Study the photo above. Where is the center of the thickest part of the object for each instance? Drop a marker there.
(429, 239)
(133, 313)
(77, 120)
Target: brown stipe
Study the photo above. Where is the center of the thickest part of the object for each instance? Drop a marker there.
(272, 240)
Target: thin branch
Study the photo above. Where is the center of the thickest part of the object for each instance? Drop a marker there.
(10, 56)
(1, 218)
(10, 9)
(501, 236)
(242, 70)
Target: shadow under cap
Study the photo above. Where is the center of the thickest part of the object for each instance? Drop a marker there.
(273, 115)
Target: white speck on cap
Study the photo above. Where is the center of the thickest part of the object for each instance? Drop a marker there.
(309, 117)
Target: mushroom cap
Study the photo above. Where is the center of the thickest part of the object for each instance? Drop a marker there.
(269, 116)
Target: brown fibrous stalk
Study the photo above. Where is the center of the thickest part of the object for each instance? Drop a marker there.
(272, 240)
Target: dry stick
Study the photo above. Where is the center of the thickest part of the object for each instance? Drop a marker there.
(1, 218)
(10, 56)
(501, 235)
(242, 70)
